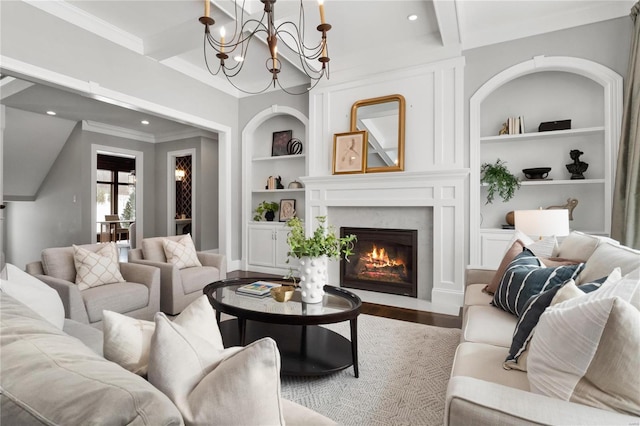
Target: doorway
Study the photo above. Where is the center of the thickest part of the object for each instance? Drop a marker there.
(117, 187)
(181, 193)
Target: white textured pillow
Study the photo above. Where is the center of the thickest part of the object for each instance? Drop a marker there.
(546, 247)
(32, 292)
(181, 253)
(94, 269)
(607, 256)
(585, 349)
(209, 385)
(127, 340)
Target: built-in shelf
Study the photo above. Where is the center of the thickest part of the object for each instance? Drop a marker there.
(558, 182)
(544, 135)
(278, 157)
(279, 190)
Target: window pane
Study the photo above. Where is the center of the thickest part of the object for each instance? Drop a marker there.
(123, 177)
(126, 203)
(103, 202)
(104, 176)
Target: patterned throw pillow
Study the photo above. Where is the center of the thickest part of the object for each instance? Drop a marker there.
(525, 277)
(181, 253)
(94, 269)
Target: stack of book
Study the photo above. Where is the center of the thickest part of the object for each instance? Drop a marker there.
(257, 289)
(515, 125)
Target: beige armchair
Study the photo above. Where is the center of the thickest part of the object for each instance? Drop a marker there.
(179, 287)
(138, 297)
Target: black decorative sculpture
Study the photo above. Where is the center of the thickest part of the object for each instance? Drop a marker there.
(294, 146)
(577, 168)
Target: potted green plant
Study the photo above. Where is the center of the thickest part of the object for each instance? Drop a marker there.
(268, 209)
(314, 252)
(499, 181)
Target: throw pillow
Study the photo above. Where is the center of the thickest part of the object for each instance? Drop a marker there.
(32, 292)
(208, 385)
(535, 306)
(94, 269)
(127, 340)
(552, 262)
(181, 253)
(513, 251)
(605, 257)
(545, 247)
(526, 277)
(580, 246)
(585, 350)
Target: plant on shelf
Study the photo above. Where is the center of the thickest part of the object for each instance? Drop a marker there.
(268, 209)
(499, 181)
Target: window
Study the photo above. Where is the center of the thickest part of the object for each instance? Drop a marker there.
(115, 192)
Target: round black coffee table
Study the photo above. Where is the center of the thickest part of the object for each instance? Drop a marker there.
(306, 349)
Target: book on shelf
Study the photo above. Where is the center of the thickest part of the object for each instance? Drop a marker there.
(515, 125)
(258, 288)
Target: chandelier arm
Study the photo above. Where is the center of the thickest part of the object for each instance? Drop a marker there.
(206, 61)
(301, 50)
(299, 40)
(247, 91)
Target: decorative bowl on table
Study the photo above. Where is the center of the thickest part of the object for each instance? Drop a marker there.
(283, 293)
(536, 172)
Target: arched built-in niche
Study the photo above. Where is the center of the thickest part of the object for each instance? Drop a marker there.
(257, 165)
(608, 131)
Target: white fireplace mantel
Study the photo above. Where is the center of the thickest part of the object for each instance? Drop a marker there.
(443, 190)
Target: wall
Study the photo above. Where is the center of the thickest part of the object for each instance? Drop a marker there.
(60, 215)
(433, 129)
(114, 68)
(206, 182)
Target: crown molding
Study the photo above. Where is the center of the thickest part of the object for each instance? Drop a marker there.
(537, 25)
(121, 132)
(76, 16)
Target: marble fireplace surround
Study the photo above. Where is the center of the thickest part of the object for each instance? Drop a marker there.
(441, 190)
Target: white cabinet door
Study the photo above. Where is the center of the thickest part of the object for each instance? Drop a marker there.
(282, 248)
(261, 245)
(493, 245)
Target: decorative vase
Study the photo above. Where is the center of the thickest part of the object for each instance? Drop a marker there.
(269, 215)
(313, 277)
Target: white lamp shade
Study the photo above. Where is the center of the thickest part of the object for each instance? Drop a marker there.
(542, 223)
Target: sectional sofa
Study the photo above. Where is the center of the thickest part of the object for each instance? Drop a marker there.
(52, 370)
(482, 392)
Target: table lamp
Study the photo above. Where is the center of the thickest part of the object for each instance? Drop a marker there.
(542, 223)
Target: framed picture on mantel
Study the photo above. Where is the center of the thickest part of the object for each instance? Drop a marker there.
(349, 152)
(280, 141)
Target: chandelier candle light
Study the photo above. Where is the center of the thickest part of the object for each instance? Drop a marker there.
(290, 34)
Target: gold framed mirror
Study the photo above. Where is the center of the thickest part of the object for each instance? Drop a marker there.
(383, 119)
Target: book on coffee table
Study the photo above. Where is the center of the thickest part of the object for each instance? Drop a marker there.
(258, 288)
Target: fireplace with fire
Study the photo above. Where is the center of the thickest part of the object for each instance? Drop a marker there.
(384, 260)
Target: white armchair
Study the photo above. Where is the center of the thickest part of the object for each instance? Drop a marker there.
(179, 287)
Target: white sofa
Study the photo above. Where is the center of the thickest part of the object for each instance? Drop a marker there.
(52, 370)
(481, 391)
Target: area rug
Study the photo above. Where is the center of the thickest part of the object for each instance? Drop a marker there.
(404, 372)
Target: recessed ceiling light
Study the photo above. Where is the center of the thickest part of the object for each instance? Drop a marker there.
(51, 112)
(238, 58)
(145, 122)
(412, 17)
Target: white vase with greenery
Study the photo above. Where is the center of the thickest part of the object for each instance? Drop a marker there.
(314, 253)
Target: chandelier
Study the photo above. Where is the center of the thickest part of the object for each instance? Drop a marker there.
(288, 34)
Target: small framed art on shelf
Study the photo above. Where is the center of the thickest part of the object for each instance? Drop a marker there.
(349, 152)
(287, 209)
(280, 141)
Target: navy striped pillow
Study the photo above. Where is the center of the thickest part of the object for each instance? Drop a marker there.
(526, 277)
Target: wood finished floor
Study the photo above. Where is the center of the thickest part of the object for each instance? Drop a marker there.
(403, 314)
